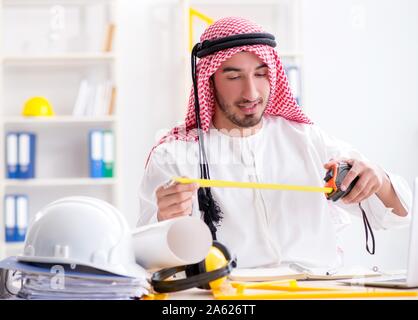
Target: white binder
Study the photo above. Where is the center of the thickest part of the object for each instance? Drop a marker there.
(12, 155)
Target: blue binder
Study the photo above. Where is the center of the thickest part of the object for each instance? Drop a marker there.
(10, 218)
(26, 155)
(12, 168)
(22, 216)
(96, 153)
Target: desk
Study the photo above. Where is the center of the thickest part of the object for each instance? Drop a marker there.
(198, 294)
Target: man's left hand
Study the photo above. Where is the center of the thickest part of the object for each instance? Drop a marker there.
(371, 178)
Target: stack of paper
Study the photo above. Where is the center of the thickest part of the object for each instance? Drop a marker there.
(56, 282)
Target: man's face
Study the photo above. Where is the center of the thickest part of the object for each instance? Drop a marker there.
(242, 89)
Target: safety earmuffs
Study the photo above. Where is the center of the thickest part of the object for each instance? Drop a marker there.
(209, 273)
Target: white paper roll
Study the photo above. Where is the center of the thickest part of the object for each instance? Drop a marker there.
(175, 242)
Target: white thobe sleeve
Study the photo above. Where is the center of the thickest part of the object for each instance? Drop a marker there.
(380, 217)
(160, 169)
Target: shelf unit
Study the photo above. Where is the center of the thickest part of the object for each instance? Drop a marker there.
(59, 182)
(62, 140)
(55, 59)
(59, 120)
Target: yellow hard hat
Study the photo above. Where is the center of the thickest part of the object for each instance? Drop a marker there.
(37, 107)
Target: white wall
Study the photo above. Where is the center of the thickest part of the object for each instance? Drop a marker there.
(361, 76)
(147, 88)
(360, 83)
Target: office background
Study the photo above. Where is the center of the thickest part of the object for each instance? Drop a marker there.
(359, 82)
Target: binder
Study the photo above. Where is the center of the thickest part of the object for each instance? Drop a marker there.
(108, 154)
(112, 101)
(98, 101)
(82, 99)
(90, 98)
(12, 168)
(10, 218)
(107, 97)
(294, 81)
(22, 215)
(108, 41)
(96, 153)
(26, 155)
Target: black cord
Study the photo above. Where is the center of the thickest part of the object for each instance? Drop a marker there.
(204, 167)
(211, 210)
(368, 228)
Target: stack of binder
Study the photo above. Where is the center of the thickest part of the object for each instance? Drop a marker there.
(16, 213)
(57, 282)
(37, 286)
(101, 153)
(20, 155)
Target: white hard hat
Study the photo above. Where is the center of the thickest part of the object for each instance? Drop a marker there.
(83, 231)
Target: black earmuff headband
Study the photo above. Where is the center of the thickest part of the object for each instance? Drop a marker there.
(212, 212)
(160, 284)
(199, 276)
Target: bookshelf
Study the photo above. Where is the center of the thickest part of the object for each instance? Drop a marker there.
(59, 182)
(59, 120)
(60, 59)
(61, 43)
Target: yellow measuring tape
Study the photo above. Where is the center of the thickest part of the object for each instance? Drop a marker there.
(251, 185)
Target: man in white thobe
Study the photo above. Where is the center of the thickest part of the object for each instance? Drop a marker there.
(254, 131)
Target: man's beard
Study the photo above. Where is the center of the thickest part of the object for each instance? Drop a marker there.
(247, 122)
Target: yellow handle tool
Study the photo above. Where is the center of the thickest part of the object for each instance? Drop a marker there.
(219, 295)
(251, 185)
(290, 289)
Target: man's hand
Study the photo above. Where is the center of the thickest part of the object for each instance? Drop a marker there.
(371, 179)
(175, 200)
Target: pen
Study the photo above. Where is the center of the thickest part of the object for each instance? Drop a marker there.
(169, 184)
(331, 272)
